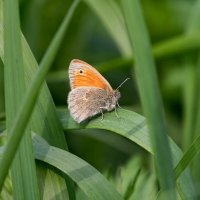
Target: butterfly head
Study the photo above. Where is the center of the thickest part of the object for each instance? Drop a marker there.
(116, 95)
(114, 100)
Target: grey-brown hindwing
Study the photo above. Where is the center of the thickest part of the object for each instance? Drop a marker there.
(84, 102)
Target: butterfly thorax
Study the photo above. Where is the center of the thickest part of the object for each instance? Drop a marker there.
(112, 100)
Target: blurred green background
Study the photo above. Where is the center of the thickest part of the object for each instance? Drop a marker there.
(88, 38)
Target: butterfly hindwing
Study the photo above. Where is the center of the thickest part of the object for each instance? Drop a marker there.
(86, 102)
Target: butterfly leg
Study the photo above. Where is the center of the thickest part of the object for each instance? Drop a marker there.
(101, 110)
(118, 105)
(116, 112)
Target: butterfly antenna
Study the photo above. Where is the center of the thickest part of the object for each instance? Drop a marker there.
(122, 83)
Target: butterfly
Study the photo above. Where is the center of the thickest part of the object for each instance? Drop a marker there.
(90, 93)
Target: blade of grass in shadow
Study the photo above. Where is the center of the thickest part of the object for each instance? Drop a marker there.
(109, 13)
(91, 182)
(23, 166)
(150, 96)
(132, 126)
(128, 176)
(2, 123)
(28, 104)
(2, 116)
(145, 187)
(7, 192)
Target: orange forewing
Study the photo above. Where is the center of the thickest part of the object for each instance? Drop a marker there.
(84, 74)
(88, 78)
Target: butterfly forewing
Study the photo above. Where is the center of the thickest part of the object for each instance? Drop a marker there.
(82, 74)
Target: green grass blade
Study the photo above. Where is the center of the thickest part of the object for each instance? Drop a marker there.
(51, 52)
(53, 126)
(53, 129)
(145, 187)
(109, 13)
(91, 182)
(191, 82)
(178, 45)
(193, 104)
(44, 120)
(190, 102)
(135, 129)
(23, 166)
(2, 103)
(188, 157)
(133, 126)
(1, 152)
(196, 163)
(7, 190)
(150, 96)
(128, 176)
(111, 17)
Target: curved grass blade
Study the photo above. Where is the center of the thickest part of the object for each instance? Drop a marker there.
(132, 126)
(138, 133)
(89, 180)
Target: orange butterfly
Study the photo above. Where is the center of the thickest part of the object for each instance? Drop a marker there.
(90, 92)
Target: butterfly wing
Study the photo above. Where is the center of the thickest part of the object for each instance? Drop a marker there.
(85, 102)
(82, 74)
